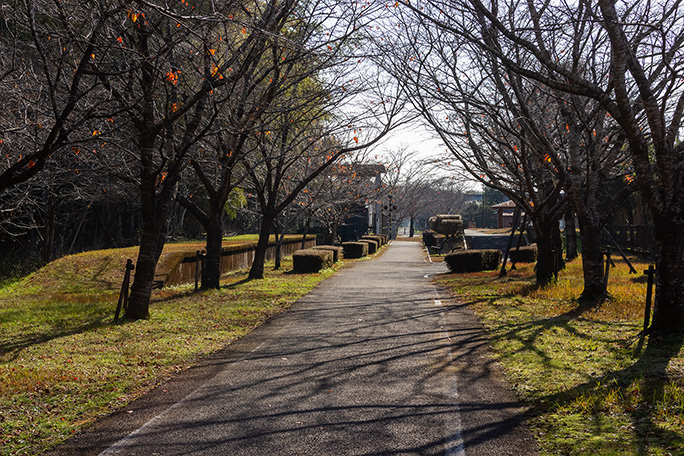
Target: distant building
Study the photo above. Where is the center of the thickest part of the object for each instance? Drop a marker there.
(505, 213)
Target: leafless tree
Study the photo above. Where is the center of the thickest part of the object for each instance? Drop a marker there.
(643, 93)
(332, 109)
(552, 147)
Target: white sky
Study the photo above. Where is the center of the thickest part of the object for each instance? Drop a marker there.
(423, 144)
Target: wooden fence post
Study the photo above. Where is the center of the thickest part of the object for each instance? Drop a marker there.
(650, 272)
(123, 294)
(199, 267)
(606, 274)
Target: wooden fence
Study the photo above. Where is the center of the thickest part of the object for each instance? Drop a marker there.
(633, 237)
(180, 267)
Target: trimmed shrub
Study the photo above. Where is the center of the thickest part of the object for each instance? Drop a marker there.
(450, 227)
(379, 239)
(372, 245)
(473, 260)
(449, 224)
(310, 260)
(335, 249)
(527, 254)
(432, 223)
(355, 249)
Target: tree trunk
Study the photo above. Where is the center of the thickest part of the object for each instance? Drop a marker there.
(592, 264)
(412, 226)
(668, 311)
(150, 250)
(257, 269)
(279, 243)
(570, 236)
(211, 275)
(306, 231)
(549, 247)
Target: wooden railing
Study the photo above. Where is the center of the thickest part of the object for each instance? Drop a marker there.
(633, 237)
(180, 267)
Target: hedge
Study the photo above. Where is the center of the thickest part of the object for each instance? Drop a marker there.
(310, 260)
(526, 254)
(372, 245)
(379, 239)
(473, 260)
(448, 224)
(355, 249)
(335, 249)
(450, 227)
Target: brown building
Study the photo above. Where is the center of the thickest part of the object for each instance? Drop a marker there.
(505, 213)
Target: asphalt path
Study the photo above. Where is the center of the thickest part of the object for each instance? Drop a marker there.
(375, 361)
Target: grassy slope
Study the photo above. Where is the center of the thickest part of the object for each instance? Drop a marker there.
(590, 385)
(64, 363)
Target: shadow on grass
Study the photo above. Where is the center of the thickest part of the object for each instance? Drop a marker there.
(649, 372)
(14, 347)
(234, 285)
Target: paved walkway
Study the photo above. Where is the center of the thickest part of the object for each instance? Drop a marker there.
(374, 361)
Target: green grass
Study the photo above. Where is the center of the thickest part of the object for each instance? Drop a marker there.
(590, 385)
(64, 362)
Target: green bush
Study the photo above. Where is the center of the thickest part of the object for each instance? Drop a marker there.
(355, 249)
(473, 260)
(372, 245)
(335, 249)
(527, 254)
(310, 260)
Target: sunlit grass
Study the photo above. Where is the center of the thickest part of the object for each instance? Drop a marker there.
(590, 385)
(64, 362)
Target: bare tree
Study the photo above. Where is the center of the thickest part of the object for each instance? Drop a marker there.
(332, 109)
(481, 114)
(554, 143)
(643, 93)
(258, 76)
(49, 93)
(161, 71)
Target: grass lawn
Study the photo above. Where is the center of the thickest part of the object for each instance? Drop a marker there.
(64, 362)
(590, 384)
